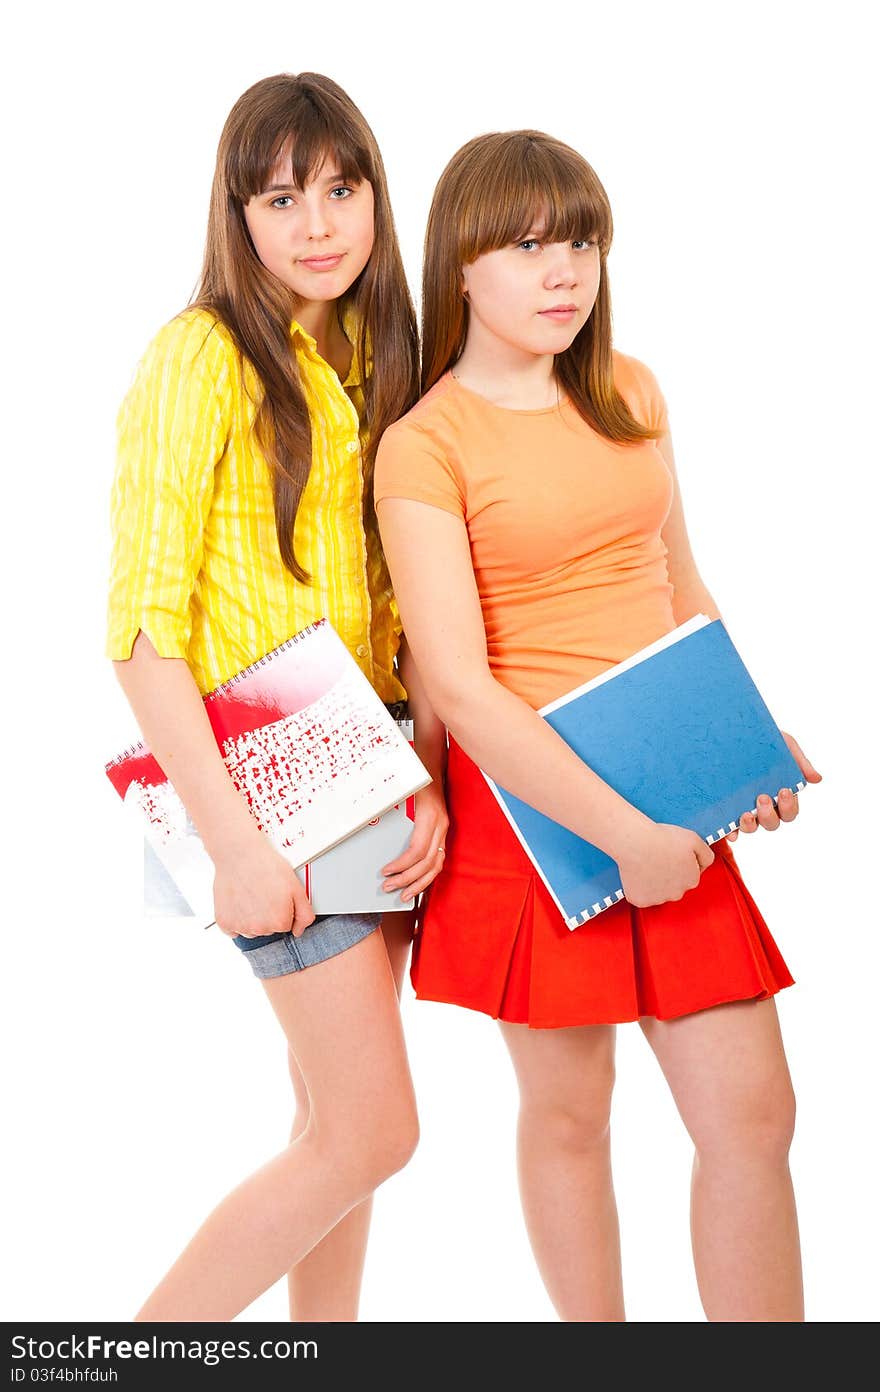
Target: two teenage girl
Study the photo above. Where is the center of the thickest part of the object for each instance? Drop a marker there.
(534, 531)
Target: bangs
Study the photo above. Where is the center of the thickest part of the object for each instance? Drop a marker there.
(306, 130)
(532, 184)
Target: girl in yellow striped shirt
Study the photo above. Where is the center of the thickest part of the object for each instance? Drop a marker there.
(242, 512)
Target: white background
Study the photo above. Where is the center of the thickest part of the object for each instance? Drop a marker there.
(145, 1075)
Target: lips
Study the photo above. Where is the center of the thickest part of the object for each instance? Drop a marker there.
(560, 311)
(321, 263)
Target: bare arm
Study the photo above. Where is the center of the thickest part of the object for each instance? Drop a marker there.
(689, 593)
(422, 860)
(171, 714)
(429, 730)
(255, 890)
(429, 559)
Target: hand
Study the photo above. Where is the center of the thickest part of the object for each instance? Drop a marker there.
(257, 892)
(786, 807)
(663, 865)
(423, 858)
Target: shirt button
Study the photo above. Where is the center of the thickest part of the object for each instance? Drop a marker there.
(352, 446)
(361, 650)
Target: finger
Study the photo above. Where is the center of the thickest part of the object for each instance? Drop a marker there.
(403, 882)
(302, 915)
(787, 805)
(431, 863)
(421, 884)
(422, 845)
(800, 758)
(256, 933)
(732, 835)
(748, 823)
(705, 856)
(768, 817)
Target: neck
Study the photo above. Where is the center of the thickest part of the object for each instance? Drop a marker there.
(504, 374)
(321, 319)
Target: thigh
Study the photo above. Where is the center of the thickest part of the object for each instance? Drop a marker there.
(726, 1068)
(397, 930)
(568, 1068)
(341, 1018)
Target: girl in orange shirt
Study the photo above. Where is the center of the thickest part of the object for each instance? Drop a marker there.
(534, 530)
(240, 404)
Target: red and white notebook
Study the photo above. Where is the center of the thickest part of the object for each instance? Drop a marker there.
(317, 757)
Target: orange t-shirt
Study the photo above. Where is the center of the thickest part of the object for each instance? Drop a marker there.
(564, 525)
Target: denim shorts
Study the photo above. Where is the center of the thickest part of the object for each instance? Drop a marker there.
(330, 934)
(276, 954)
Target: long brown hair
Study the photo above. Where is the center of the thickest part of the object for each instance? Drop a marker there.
(315, 118)
(489, 196)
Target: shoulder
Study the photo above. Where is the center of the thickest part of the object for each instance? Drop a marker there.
(640, 389)
(429, 433)
(425, 424)
(190, 366)
(417, 457)
(193, 342)
(632, 373)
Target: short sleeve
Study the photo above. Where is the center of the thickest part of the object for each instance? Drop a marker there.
(411, 464)
(171, 432)
(641, 391)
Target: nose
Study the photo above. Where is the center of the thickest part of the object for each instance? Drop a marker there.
(559, 267)
(318, 220)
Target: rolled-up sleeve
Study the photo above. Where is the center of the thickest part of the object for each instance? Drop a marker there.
(172, 431)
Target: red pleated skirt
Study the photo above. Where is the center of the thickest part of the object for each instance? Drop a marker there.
(490, 937)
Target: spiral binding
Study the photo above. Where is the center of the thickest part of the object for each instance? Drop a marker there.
(608, 902)
(222, 689)
(140, 748)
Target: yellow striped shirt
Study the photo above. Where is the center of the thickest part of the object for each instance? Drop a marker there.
(195, 561)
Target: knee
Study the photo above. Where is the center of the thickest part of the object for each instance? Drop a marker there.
(576, 1122)
(393, 1146)
(770, 1125)
(372, 1147)
(759, 1126)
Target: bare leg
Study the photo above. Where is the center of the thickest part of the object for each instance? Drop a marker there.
(565, 1079)
(326, 1283)
(729, 1077)
(342, 1021)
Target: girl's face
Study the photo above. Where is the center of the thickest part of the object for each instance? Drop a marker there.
(534, 296)
(316, 240)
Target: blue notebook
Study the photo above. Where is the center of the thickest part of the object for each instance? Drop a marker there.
(679, 730)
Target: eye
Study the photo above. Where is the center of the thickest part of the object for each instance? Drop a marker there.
(342, 189)
(580, 243)
(283, 201)
(528, 243)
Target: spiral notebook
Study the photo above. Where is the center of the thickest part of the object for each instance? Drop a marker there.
(681, 731)
(316, 756)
